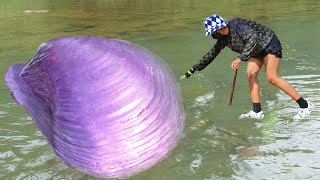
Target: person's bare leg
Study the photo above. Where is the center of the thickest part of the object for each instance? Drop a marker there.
(271, 63)
(253, 68)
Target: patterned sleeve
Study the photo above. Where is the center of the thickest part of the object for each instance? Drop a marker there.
(211, 55)
(250, 37)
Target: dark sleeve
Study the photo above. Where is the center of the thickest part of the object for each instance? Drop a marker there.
(250, 37)
(211, 55)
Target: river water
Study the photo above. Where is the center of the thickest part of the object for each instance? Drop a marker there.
(215, 144)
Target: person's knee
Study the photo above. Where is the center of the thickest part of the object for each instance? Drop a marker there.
(273, 79)
(252, 75)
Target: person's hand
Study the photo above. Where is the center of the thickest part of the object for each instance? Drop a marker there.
(235, 64)
(188, 74)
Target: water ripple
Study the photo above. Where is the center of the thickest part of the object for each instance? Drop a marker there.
(294, 151)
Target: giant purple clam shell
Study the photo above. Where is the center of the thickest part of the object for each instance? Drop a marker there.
(107, 107)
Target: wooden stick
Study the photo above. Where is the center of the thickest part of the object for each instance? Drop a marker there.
(233, 84)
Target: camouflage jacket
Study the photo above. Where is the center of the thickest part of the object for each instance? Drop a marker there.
(245, 37)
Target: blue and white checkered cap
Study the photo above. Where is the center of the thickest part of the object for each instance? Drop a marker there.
(213, 23)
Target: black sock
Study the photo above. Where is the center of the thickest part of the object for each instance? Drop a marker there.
(256, 107)
(302, 103)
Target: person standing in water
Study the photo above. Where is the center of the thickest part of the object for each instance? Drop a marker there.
(257, 45)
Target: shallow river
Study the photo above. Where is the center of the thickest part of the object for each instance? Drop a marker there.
(215, 144)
